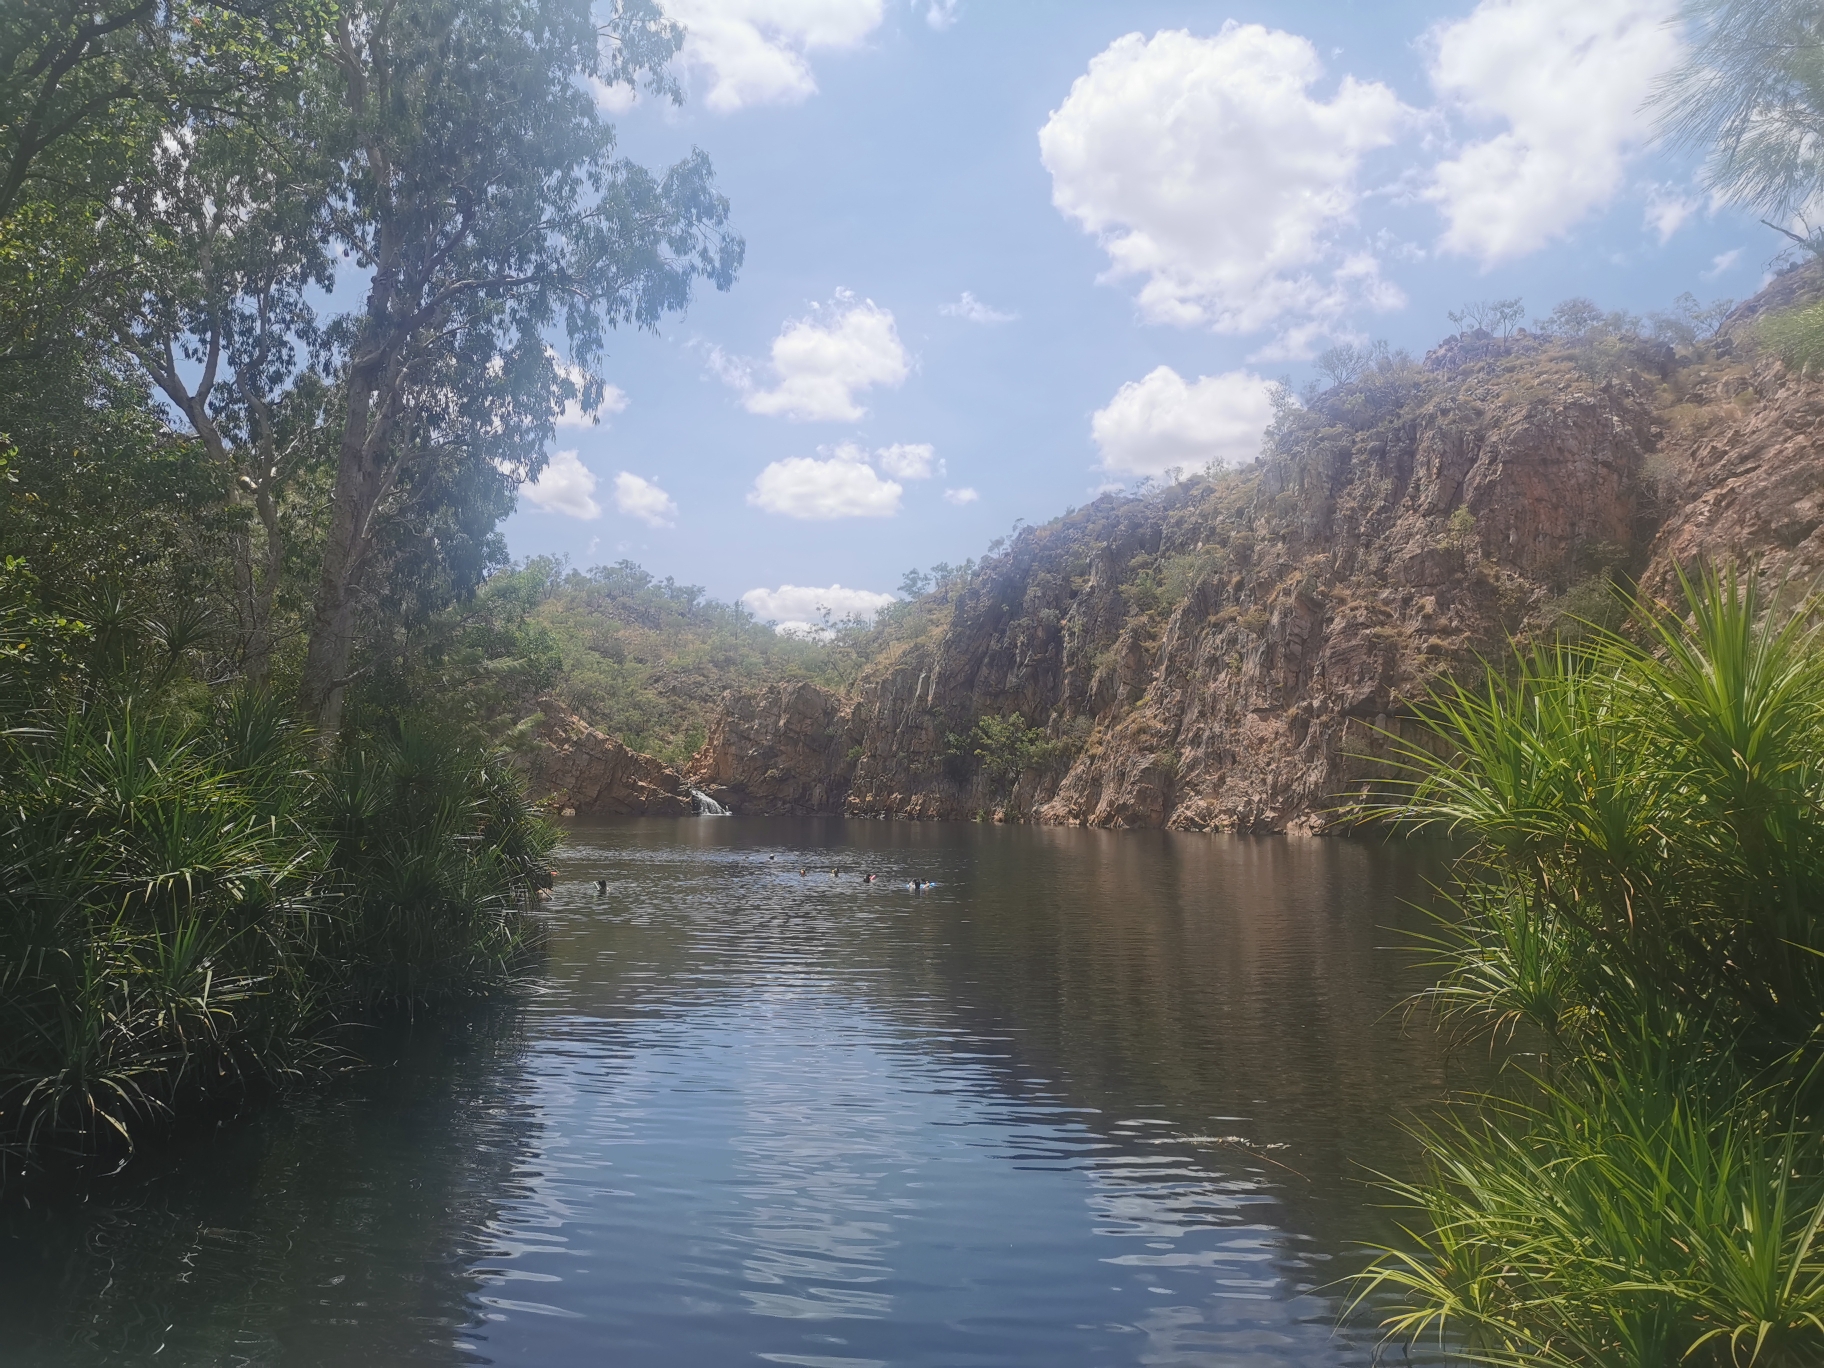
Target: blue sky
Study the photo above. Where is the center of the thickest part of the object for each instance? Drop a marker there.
(1004, 253)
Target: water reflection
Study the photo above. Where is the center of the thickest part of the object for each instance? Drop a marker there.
(337, 1229)
(1093, 1098)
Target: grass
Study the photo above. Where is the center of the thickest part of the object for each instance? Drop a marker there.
(1643, 1211)
(1640, 926)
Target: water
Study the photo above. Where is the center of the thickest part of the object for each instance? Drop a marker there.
(705, 805)
(1093, 1098)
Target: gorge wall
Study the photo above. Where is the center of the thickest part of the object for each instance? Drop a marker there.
(1242, 652)
(1239, 653)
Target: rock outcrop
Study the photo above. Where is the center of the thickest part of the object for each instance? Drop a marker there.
(773, 751)
(574, 767)
(1240, 653)
(1752, 479)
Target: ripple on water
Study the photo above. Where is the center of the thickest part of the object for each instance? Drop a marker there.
(1027, 1117)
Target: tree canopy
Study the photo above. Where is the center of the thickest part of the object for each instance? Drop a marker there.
(1750, 95)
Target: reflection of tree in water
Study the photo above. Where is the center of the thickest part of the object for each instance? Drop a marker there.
(1100, 996)
(337, 1229)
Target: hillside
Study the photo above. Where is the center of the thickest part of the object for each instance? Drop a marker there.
(1232, 651)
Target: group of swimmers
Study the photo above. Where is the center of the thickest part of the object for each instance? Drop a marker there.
(915, 885)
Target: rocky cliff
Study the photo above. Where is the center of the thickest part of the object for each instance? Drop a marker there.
(1235, 652)
(579, 770)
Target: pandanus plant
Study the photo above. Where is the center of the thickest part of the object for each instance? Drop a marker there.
(1643, 901)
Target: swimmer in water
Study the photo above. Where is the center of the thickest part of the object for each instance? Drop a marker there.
(869, 879)
(834, 873)
(601, 887)
(803, 872)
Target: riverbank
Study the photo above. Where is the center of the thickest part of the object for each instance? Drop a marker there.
(197, 903)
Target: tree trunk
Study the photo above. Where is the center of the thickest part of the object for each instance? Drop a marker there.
(332, 619)
(365, 474)
(257, 643)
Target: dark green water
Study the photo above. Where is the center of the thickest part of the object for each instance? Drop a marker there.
(1094, 1098)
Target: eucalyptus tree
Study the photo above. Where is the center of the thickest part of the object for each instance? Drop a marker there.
(1750, 94)
(443, 167)
(88, 88)
(482, 197)
(231, 244)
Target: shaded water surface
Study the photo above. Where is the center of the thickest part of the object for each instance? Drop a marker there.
(1092, 1098)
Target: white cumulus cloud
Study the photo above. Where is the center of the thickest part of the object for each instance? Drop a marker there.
(1159, 421)
(962, 496)
(754, 52)
(821, 361)
(1722, 261)
(1206, 166)
(909, 460)
(805, 610)
(613, 99)
(972, 309)
(1568, 78)
(843, 486)
(643, 499)
(565, 486)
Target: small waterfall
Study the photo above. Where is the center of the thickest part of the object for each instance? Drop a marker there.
(707, 806)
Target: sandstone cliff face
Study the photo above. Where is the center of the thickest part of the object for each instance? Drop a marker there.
(1239, 653)
(1752, 475)
(776, 751)
(573, 766)
(1743, 465)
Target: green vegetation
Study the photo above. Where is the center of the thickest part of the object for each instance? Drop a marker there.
(1002, 749)
(1641, 932)
(257, 652)
(1750, 96)
(193, 900)
(646, 659)
(1796, 335)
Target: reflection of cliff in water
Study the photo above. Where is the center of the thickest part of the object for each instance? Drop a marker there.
(1220, 986)
(979, 1124)
(339, 1227)
(1231, 987)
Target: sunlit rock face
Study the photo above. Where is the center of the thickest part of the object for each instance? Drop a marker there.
(775, 751)
(1243, 653)
(1745, 467)
(579, 770)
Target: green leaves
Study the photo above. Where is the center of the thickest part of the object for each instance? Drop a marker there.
(1663, 802)
(1750, 94)
(1644, 1212)
(1644, 910)
(185, 908)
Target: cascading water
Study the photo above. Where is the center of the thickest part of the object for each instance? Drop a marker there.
(707, 806)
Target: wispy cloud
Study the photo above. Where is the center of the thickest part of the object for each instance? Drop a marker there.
(972, 309)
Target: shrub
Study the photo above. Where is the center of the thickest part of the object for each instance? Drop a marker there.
(1796, 335)
(1641, 923)
(189, 905)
